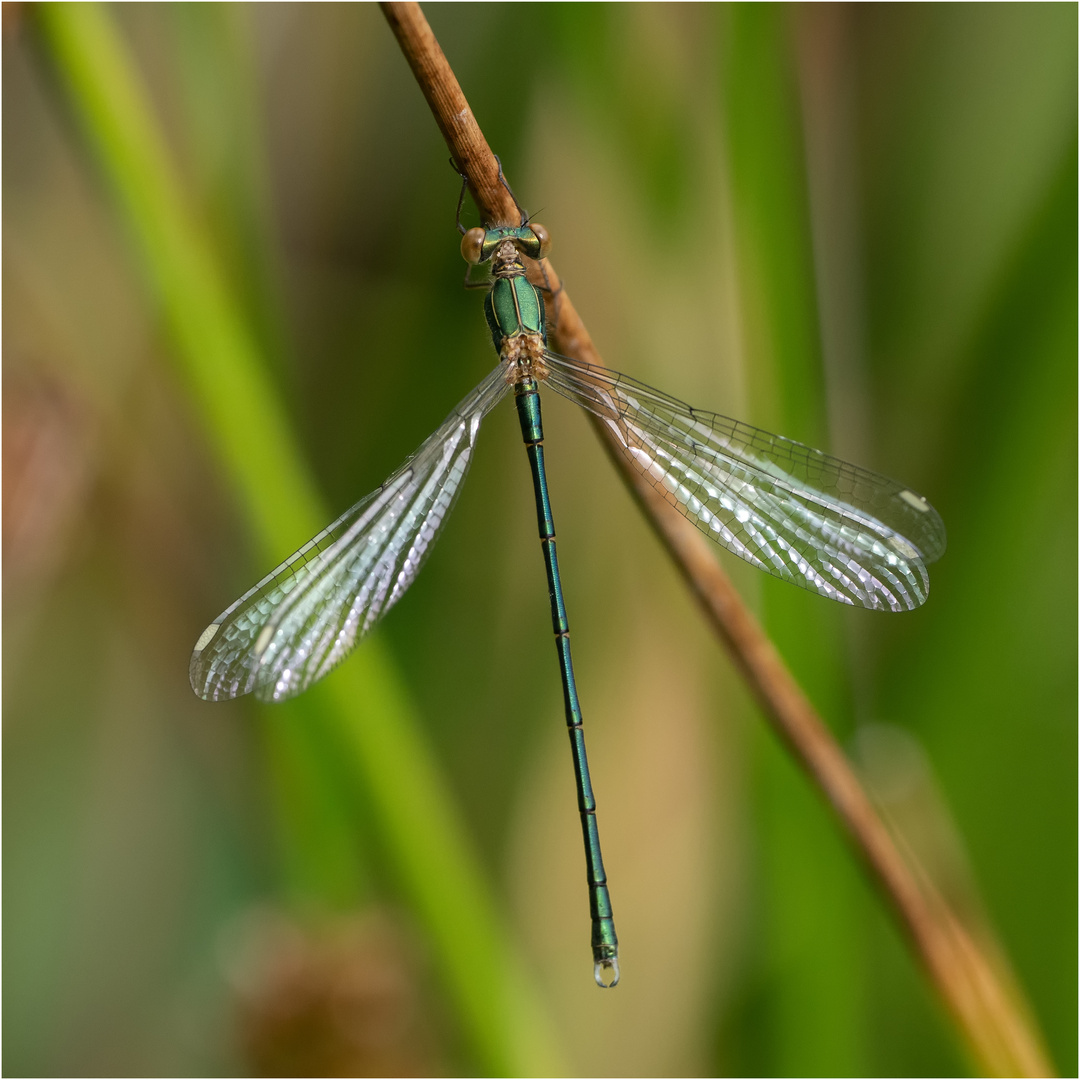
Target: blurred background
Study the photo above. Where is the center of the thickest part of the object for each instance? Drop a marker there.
(852, 224)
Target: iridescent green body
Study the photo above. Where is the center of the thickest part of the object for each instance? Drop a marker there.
(514, 307)
(515, 313)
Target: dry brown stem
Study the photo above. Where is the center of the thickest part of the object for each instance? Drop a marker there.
(979, 995)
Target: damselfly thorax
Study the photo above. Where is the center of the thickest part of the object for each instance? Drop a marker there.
(514, 306)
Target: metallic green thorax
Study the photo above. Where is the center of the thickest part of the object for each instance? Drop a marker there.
(513, 307)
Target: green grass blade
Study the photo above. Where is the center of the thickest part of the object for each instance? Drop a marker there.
(815, 1008)
(365, 705)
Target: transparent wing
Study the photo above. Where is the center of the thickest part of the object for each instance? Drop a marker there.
(305, 616)
(838, 530)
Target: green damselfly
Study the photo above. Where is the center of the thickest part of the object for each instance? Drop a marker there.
(792, 511)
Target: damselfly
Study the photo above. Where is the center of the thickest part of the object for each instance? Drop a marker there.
(794, 512)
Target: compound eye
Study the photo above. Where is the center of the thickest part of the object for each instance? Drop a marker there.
(472, 244)
(544, 239)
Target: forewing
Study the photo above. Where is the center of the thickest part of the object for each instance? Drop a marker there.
(801, 515)
(305, 616)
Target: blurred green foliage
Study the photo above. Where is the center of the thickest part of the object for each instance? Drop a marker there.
(856, 225)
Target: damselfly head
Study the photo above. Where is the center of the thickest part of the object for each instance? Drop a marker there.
(479, 245)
